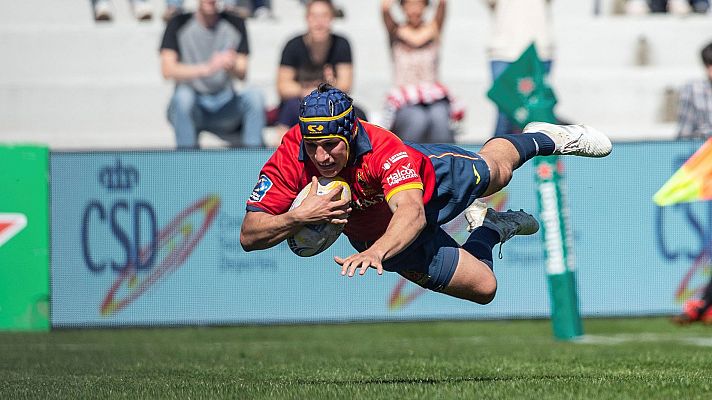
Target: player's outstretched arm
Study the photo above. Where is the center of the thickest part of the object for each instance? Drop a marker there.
(261, 230)
(406, 224)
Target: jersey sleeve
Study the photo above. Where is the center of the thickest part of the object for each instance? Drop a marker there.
(397, 167)
(279, 180)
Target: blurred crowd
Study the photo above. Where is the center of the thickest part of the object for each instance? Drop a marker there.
(205, 50)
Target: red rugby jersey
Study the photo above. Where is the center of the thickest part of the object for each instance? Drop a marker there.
(383, 165)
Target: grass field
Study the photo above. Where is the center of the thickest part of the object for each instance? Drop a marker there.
(618, 359)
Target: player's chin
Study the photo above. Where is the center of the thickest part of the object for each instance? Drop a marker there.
(329, 172)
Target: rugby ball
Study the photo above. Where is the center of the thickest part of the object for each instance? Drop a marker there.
(314, 238)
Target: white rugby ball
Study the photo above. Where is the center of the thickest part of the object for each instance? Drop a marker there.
(314, 238)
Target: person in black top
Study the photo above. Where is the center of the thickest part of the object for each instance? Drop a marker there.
(319, 55)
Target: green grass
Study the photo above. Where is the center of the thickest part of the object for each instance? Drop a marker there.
(622, 359)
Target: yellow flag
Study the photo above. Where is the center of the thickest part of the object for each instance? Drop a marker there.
(692, 182)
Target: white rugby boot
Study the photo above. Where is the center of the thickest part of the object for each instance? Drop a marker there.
(475, 215)
(577, 140)
(510, 223)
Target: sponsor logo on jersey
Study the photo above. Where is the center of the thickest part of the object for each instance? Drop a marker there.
(404, 173)
(368, 191)
(261, 188)
(398, 156)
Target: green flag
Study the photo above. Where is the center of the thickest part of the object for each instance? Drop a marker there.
(522, 93)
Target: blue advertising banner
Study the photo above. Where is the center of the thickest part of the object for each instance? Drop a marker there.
(152, 238)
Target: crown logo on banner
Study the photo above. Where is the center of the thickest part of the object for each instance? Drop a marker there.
(118, 177)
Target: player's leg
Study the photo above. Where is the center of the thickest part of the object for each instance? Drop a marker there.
(506, 153)
(474, 278)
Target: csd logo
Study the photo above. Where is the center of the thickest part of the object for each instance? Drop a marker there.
(315, 128)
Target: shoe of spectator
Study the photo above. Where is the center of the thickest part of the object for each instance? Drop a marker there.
(700, 7)
(636, 7)
(679, 7)
(102, 11)
(142, 10)
(263, 13)
(170, 12)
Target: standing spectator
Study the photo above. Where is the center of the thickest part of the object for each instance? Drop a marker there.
(319, 55)
(141, 8)
(418, 105)
(202, 52)
(695, 112)
(515, 25)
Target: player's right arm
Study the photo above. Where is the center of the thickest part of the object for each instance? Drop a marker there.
(262, 230)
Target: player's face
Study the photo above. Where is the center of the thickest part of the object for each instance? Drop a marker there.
(319, 17)
(328, 155)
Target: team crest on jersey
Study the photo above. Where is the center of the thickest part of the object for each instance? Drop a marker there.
(367, 190)
(261, 188)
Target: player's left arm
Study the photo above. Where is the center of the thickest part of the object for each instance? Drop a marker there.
(406, 224)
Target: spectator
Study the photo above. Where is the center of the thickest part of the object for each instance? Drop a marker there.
(202, 52)
(679, 6)
(515, 25)
(695, 112)
(418, 108)
(338, 10)
(243, 8)
(319, 55)
(141, 8)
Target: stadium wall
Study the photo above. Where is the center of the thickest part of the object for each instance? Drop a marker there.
(152, 238)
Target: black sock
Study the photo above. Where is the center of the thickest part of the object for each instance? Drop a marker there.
(480, 244)
(530, 145)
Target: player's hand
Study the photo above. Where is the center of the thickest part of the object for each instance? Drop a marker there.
(361, 261)
(328, 207)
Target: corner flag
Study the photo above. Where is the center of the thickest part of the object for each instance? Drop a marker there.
(521, 91)
(692, 182)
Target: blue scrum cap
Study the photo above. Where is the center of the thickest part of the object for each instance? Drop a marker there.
(327, 112)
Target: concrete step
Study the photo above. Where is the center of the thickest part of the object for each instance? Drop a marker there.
(113, 107)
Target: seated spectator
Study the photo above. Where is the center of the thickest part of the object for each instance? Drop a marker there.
(202, 52)
(244, 8)
(418, 108)
(308, 59)
(695, 111)
(141, 8)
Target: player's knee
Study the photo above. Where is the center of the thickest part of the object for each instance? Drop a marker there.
(500, 173)
(486, 290)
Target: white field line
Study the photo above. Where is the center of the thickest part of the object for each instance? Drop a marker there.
(622, 338)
